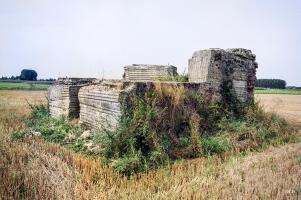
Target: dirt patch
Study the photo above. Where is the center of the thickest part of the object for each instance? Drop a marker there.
(288, 106)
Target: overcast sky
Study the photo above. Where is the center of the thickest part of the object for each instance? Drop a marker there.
(95, 38)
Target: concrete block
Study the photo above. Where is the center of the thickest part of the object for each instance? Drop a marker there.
(144, 72)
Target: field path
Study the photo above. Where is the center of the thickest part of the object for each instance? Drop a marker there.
(288, 106)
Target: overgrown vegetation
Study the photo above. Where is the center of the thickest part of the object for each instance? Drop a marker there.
(171, 124)
(167, 124)
(33, 169)
(56, 130)
(175, 78)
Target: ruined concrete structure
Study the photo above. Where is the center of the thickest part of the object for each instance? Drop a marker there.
(63, 96)
(101, 103)
(234, 67)
(142, 72)
(98, 103)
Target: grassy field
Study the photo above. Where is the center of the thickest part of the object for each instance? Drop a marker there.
(33, 169)
(277, 91)
(22, 86)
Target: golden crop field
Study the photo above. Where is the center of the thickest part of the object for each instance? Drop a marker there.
(48, 171)
(288, 106)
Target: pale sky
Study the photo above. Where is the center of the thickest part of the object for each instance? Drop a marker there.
(89, 38)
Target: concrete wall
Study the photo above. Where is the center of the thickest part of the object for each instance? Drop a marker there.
(101, 104)
(142, 72)
(217, 66)
(198, 66)
(63, 100)
(63, 96)
(98, 103)
(58, 96)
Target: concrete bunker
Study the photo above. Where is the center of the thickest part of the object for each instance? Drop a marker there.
(146, 72)
(234, 67)
(98, 103)
(101, 104)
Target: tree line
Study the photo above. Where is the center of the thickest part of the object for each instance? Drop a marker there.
(26, 75)
(270, 83)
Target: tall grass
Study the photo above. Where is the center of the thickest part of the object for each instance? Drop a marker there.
(33, 169)
(175, 78)
(171, 123)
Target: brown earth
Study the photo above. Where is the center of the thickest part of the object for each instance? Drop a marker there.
(287, 106)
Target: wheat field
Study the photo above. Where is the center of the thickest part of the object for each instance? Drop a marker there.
(33, 169)
(288, 106)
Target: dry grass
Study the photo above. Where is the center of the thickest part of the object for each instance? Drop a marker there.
(33, 169)
(13, 106)
(288, 106)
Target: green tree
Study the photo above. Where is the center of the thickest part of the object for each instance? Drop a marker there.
(271, 83)
(28, 74)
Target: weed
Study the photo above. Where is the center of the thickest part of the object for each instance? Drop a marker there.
(19, 135)
(214, 145)
(175, 78)
(52, 129)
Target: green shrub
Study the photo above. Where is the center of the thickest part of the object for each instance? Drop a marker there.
(78, 147)
(214, 145)
(132, 147)
(157, 129)
(19, 135)
(256, 129)
(175, 78)
(52, 129)
(171, 123)
(39, 111)
(128, 165)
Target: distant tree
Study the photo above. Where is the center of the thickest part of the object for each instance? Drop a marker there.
(28, 74)
(270, 83)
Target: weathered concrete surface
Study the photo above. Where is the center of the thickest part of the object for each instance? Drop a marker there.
(63, 96)
(235, 67)
(101, 104)
(144, 72)
(98, 103)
